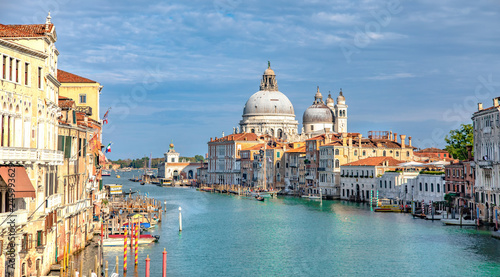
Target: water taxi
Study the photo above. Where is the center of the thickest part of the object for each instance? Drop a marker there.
(392, 208)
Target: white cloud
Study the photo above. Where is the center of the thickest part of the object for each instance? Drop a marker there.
(383, 77)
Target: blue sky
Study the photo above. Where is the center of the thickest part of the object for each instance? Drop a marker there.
(183, 70)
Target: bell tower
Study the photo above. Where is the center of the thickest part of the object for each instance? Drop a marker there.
(341, 114)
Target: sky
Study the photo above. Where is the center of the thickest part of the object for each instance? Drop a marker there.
(182, 71)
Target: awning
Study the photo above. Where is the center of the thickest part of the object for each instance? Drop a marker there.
(22, 184)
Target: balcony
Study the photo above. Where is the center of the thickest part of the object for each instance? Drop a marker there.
(53, 157)
(30, 155)
(53, 202)
(84, 109)
(18, 155)
(485, 164)
(20, 217)
(72, 209)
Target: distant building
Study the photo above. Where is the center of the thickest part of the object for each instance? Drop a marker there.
(172, 169)
(432, 154)
(486, 123)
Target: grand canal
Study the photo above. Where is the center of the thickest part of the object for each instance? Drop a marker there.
(227, 235)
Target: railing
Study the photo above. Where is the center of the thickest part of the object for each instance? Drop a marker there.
(30, 155)
(18, 154)
(84, 109)
(20, 217)
(74, 208)
(485, 163)
(51, 156)
(53, 202)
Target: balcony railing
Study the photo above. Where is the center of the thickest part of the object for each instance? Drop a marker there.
(74, 208)
(30, 155)
(84, 109)
(20, 217)
(321, 169)
(53, 202)
(485, 164)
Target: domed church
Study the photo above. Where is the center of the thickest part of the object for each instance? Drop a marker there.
(269, 111)
(322, 118)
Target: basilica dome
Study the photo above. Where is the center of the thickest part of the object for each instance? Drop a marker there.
(268, 102)
(317, 113)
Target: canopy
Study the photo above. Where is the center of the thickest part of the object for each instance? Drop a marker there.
(412, 164)
(22, 184)
(439, 163)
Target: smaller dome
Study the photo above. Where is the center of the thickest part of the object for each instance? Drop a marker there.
(329, 100)
(341, 97)
(269, 71)
(317, 113)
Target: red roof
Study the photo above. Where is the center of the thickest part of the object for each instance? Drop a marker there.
(297, 150)
(66, 103)
(34, 30)
(238, 137)
(66, 77)
(431, 150)
(376, 161)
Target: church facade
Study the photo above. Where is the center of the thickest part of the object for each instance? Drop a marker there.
(172, 169)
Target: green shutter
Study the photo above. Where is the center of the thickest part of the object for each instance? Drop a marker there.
(60, 143)
(84, 147)
(100, 184)
(67, 148)
(74, 117)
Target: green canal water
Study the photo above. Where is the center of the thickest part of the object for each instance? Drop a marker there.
(226, 235)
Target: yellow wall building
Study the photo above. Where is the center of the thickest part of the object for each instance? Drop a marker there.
(83, 91)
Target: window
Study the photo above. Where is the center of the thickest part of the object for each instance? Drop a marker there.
(40, 78)
(384, 153)
(437, 187)
(407, 153)
(83, 98)
(355, 152)
(397, 154)
(278, 154)
(420, 186)
(312, 127)
(11, 61)
(26, 78)
(17, 71)
(39, 238)
(336, 151)
(364, 153)
(432, 187)
(4, 67)
(426, 187)
(337, 163)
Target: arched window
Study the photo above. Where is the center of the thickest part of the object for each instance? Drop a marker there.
(278, 165)
(437, 187)
(336, 151)
(364, 153)
(385, 184)
(426, 187)
(355, 152)
(337, 163)
(420, 186)
(380, 183)
(384, 153)
(397, 154)
(252, 131)
(280, 133)
(312, 127)
(432, 187)
(278, 177)
(407, 153)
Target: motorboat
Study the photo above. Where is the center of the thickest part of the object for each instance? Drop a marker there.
(105, 173)
(118, 240)
(259, 198)
(392, 208)
(459, 222)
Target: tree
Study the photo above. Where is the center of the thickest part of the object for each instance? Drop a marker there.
(458, 140)
(199, 158)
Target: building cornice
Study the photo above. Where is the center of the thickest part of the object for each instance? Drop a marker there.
(23, 49)
(53, 80)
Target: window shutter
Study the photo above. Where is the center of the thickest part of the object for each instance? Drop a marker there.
(60, 143)
(84, 147)
(67, 148)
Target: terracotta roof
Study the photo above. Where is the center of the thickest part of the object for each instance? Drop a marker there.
(66, 77)
(376, 161)
(255, 147)
(297, 150)
(238, 137)
(35, 30)
(66, 103)
(431, 150)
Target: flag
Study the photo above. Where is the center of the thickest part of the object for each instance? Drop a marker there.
(108, 148)
(94, 142)
(270, 160)
(105, 117)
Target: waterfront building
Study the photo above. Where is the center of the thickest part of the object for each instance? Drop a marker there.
(250, 163)
(460, 179)
(28, 144)
(269, 111)
(359, 178)
(80, 180)
(294, 158)
(431, 154)
(224, 155)
(486, 122)
(85, 92)
(173, 169)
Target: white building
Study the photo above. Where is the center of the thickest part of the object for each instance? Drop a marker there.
(172, 169)
(486, 123)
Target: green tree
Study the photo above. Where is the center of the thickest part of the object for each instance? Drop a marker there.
(199, 158)
(458, 140)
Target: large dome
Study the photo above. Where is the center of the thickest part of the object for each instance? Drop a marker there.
(268, 102)
(317, 113)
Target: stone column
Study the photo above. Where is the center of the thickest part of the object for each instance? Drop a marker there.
(4, 200)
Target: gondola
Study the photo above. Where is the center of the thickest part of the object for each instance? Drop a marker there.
(259, 198)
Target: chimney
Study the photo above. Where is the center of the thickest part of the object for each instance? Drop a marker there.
(344, 140)
(211, 140)
(479, 106)
(403, 138)
(469, 153)
(215, 138)
(409, 141)
(495, 102)
(390, 135)
(396, 137)
(359, 140)
(350, 142)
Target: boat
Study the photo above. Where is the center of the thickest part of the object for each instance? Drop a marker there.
(117, 240)
(259, 198)
(118, 176)
(142, 183)
(105, 173)
(459, 222)
(438, 215)
(314, 197)
(392, 208)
